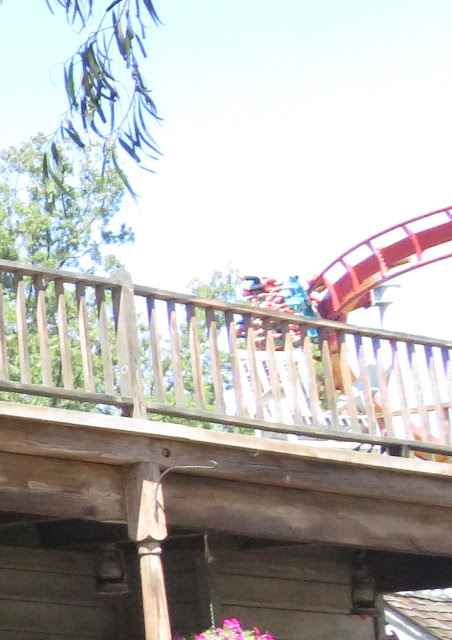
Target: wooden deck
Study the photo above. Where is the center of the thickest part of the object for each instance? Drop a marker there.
(104, 386)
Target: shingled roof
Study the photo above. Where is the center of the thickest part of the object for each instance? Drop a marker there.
(431, 612)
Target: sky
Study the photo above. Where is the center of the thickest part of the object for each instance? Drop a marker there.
(291, 131)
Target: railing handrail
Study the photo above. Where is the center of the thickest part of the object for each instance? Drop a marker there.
(74, 277)
(315, 323)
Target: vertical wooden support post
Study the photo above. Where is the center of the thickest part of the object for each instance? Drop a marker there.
(147, 527)
(131, 382)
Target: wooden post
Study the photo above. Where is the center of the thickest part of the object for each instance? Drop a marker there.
(131, 382)
(147, 527)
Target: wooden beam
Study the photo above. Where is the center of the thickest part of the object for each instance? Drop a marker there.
(176, 432)
(53, 440)
(147, 527)
(306, 516)
(60, 488)
(382, 478)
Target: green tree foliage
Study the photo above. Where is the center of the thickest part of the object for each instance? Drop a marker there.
(61, 223)
(107, 93)
(222, 285)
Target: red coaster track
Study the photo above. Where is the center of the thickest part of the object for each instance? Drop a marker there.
(347, 283)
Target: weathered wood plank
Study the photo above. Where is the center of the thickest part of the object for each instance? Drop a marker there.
(176, 359)
(33, 586)
(85, 342)
(60, 441)
(233, 359)
(215, 360)
(302, 516)
(195, 357)
(4, 364)
(43, 334)
(66, 619)
(292, 563)
(63, 336)
(328, 373)
(417, 385)
(22, 331)
(443, 427)
(38, 415)
(62, 489)
(74, 563)
(347, 382)
(275, 382)
(385, 408)
(154, 337)
(367, 477)
(293, 375)
(312, 380)
(283, 594)
(401, 388)
(65, 394)
(367, 391)
(105, 341)
(256, 386)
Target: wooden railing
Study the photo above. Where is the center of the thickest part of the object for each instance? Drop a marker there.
(83, 341)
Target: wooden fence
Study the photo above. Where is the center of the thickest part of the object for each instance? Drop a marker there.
(89, 342)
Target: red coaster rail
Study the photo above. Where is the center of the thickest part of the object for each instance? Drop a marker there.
(347, 283)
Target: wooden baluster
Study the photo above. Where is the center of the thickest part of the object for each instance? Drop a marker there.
(105, 341)
(128, 347)
(176, 359)
(447, 367)
(154, 336)
(313, 389)
(417, 384)
(22, 330)
(294, 381)
(402, 394)
(63, 336)
(367, 391)
(436, 396)
(85, 343)
(256, 386)
(328, 374)
(347, 382)
(195, 357)
(234, 362)
(43, 334)
(212, 334)
(4, 364)
(147, 528)
(275, 382)
(383, 387)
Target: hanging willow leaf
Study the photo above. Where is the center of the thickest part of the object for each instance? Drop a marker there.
(75, 137)
(98, 106)
(130, 150)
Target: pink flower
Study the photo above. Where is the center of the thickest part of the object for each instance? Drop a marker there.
(232, 624)
(267, 636)
(201, 636)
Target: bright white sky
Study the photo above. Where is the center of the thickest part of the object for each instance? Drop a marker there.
(291, 131)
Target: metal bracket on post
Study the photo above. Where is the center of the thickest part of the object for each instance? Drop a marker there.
(131, 382)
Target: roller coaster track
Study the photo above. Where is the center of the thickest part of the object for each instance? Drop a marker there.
(347, 283)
